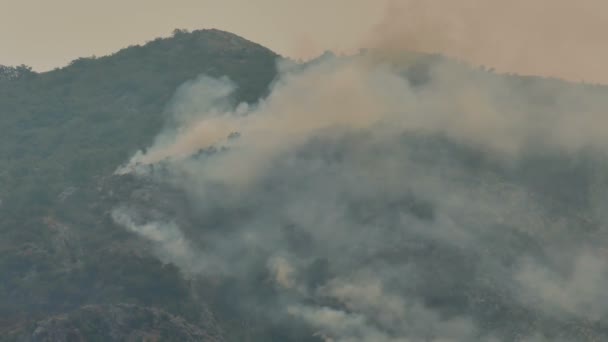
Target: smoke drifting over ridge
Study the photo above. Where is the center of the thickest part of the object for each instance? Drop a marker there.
(391, 196)
(557, 38)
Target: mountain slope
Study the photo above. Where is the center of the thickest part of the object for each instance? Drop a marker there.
(359, 200)
(118, 323)
(84, 119)
(63, 131)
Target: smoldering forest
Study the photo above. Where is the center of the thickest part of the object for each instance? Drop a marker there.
(367, 198)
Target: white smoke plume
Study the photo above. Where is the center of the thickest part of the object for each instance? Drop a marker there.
(393, 196)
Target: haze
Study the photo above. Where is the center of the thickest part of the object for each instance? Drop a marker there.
(542, 37)
(48, 34)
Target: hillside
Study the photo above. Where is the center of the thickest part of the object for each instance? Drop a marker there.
(82, 120)
(119, 323)
(199, 188)
(63, 132)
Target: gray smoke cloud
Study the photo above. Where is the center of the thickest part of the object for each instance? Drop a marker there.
(411, 201)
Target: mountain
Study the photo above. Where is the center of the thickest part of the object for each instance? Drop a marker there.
(82, 120)
(202, 188)
(66, 130)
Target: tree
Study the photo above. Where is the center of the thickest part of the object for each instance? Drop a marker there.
(10, 73)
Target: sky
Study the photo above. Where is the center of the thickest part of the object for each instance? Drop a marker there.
(46, 34)
(560, 38)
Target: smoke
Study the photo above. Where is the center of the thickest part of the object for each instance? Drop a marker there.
(172, 245)
(580, 293)
(391, 196)
(557, 38)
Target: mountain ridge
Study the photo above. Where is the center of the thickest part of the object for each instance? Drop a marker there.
(66, 130)
(67, 266)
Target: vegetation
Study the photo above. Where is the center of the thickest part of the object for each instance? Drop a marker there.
(63, 133)
(68, 272)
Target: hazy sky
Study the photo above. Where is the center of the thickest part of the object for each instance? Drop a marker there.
(46, 34)
(564, 38)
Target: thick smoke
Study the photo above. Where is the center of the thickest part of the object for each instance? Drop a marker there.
(388, 207)
(409, 198)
